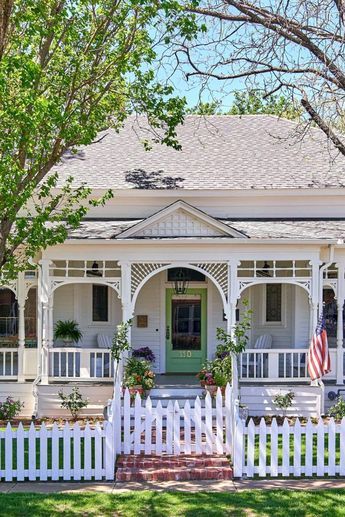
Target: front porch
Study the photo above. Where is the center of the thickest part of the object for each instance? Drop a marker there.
(180, 328)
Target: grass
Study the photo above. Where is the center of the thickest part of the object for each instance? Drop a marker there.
(275, 503)
(291, 450)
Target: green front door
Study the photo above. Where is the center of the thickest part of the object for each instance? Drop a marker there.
(186, 330)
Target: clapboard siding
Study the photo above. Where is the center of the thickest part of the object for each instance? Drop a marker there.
(282, 333)
(259, 399)
(75, 302)
(149, 303)
(301, 318)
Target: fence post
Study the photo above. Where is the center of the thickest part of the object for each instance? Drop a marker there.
(109, 452)
(8, 453)
(117, 418)
(238, 448)
(228, 419)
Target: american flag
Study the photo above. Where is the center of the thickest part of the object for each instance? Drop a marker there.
(318, 357)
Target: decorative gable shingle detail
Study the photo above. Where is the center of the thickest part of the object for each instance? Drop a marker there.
(180, 220)
(180, 224)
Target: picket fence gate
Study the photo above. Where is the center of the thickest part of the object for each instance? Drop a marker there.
(285, 450)
(195, 428)
(58, 453)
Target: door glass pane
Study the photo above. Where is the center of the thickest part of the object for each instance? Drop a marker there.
(186, 324)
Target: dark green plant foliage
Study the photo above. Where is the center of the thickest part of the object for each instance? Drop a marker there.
(68, 330)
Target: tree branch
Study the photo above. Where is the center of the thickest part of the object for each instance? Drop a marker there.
(323, 125)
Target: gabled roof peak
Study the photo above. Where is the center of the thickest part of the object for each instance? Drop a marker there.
(180, 219)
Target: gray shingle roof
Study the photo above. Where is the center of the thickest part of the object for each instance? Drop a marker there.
(219, 152)
(258, 229)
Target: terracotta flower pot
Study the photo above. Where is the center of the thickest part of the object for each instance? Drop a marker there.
(133, 390)
(212, 389)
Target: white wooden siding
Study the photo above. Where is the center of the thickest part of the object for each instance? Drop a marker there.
(232, 204)
(282, 333)
(301, 317)
(75, 302)
(149, 303)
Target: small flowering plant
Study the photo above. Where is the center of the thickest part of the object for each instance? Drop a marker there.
(138, 373)
(145, 353)
(10, 408)
(218, 371)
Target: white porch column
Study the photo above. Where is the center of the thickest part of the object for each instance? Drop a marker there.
(340, 323)
(21, 297)
(315, 287)
(126, 301)
(230, 313)
(44, 289)
(51, 321)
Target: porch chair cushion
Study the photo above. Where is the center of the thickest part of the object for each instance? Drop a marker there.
(104, 341)
(264, 341)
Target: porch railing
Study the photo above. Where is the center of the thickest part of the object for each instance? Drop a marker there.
(9, 326)
(8, 363)
(278, 364)
(74, 363)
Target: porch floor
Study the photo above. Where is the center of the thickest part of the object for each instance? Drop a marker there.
(176, 381)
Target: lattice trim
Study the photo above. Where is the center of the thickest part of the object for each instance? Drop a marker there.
(218, 271)
(139, 271)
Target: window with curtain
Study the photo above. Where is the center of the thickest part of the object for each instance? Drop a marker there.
(273, 303)
(100, 303)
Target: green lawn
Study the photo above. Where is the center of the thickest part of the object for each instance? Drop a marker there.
(275, 503)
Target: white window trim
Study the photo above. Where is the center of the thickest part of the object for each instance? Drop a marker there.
(274, 324)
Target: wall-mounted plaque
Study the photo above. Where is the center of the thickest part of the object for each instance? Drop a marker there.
(142, 321)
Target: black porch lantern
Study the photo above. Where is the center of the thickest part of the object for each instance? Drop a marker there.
(95, 270)
(180, 282)
(265, 271)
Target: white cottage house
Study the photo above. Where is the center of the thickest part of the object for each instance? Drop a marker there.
(247, 210)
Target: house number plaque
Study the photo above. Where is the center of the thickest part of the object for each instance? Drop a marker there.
(185, 353)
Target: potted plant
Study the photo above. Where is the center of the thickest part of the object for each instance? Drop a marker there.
(138, 376)
(68, 331)
(216, 373)
(145, 353)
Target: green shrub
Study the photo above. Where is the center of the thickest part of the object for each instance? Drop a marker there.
(73, 402)
(283, 402)
(338, 410)
(10, 408)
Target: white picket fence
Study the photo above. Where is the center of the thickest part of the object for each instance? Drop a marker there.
(297, 450)
(195, 428)
(59, 453)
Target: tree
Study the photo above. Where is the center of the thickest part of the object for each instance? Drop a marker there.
(206, 108)
(255, 103)
(68, 69)
(293, 47)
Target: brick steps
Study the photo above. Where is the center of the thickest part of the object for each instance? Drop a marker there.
(171, 468)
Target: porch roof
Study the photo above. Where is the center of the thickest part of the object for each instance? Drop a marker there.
(265, 229)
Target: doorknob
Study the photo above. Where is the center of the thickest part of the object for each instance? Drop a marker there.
(167, 333)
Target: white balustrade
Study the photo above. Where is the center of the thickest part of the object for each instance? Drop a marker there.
(278, 364)
(8, 363)
(80, 363)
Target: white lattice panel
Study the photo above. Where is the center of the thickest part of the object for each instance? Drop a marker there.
(217, 271)
(179, 224)
(142, 270)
